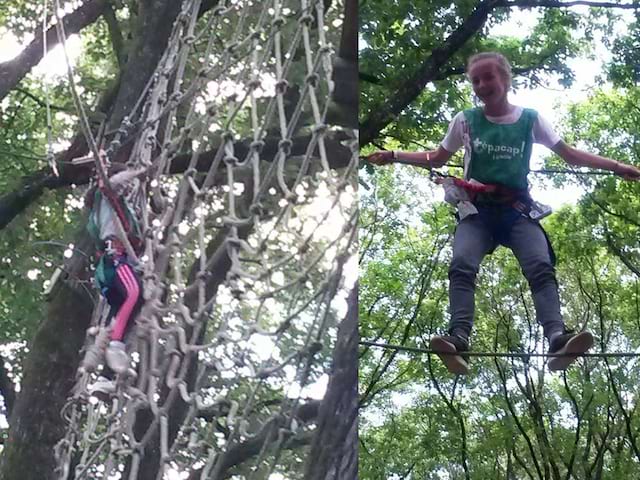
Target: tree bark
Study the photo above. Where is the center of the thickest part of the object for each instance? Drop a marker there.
(334, 451)
(150, 38)
(343, 109)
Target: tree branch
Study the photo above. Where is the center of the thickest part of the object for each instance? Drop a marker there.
(31, 187)
(602, 207)
(41, 102)
(411, 87)
(115, 33)
(623, 258)
(13, 71)
(343, 109)
(251, 447)
(516, 419)
(559, 4)
(243, 451)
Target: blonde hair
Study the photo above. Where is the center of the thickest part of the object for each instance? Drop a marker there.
(503, 64)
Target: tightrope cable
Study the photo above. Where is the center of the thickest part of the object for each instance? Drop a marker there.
(499, 354)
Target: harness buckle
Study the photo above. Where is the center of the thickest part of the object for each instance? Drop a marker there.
(539, 210)
(113, 246)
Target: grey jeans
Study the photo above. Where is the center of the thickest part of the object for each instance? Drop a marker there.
(478, 235)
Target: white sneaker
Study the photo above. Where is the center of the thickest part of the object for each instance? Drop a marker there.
(102, 386)
(116, 356)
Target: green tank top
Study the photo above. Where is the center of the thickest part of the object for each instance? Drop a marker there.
(500, 153)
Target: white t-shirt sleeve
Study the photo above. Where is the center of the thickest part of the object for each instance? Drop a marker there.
(544, 133)
(453, 140)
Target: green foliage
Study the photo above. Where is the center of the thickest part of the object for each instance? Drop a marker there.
(624, 69)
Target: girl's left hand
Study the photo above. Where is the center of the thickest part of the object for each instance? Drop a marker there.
(628, 172)
(384, 157)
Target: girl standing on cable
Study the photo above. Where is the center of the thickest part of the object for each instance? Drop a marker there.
(497, 139)
(116, 274)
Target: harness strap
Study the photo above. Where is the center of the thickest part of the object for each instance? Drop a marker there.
(112, 246)
(492, 193)
(116, 205)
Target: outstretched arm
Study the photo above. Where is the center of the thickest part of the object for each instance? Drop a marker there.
(580, 158)
(120, 179)
(430, 159)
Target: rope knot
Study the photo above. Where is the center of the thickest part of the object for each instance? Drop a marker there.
(320, 128)
(281, 86)
(257, 146)
(257, 209)
(291, 198)
(254, 84)
(312, 79)
(231, 160)
(306, 19)
(203, 275)
(285, 145)
(315, 347)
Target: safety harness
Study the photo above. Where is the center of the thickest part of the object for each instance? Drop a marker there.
(458, 190)
(111, 251)
(126, 217)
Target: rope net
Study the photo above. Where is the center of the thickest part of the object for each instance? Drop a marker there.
(245, 261)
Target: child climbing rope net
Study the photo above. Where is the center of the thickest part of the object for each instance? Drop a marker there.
(116, 273)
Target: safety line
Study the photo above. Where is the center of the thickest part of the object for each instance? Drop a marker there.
(498, 354)
(542, 171)
(51, 159)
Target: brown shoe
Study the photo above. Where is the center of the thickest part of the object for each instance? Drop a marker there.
(568, 343)
(446, 347)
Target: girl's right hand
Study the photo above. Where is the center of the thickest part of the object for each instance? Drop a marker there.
(384, 157)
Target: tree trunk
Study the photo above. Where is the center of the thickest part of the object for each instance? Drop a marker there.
(334, 452)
